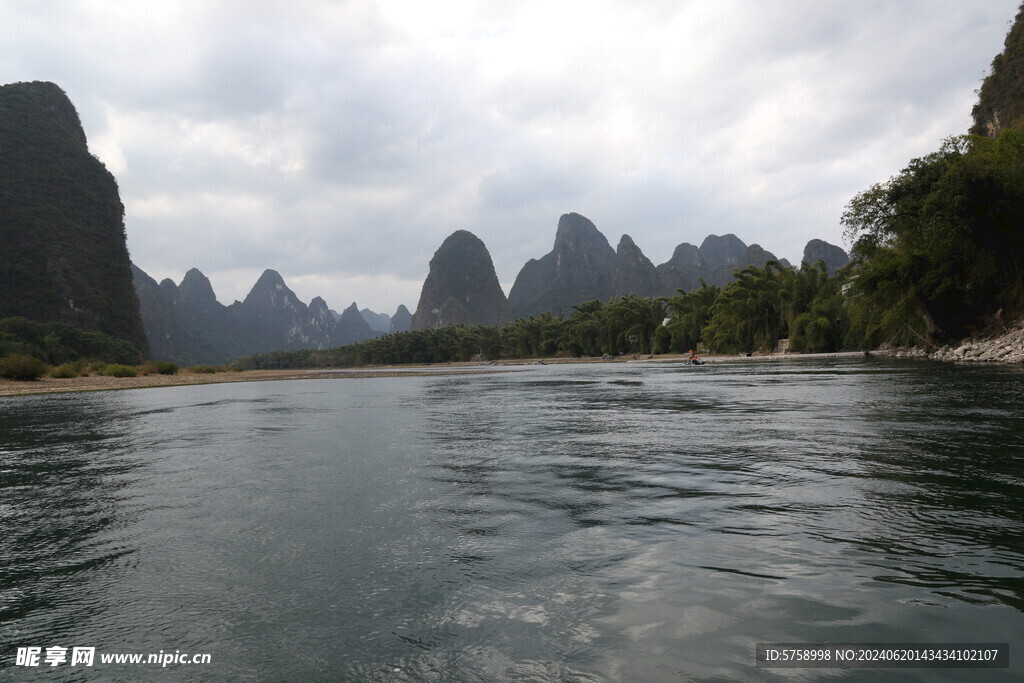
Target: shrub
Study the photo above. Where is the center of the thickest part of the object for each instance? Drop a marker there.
(157, 367)
(21, 367)
(208, 369)
(116, 370)
(165, 368)
(63, 371)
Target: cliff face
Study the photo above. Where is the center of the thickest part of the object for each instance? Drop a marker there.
(63, 253)
(715, 262)
(577, 269)
(461, 287)
(1001, 96)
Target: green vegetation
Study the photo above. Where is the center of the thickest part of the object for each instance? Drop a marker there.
(761, 306)
(118, 370)
(56, 343)
(938, 248)
(163, 367)
(64, 371)
(209, 369)
(21, 367)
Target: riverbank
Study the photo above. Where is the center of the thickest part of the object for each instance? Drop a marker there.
(49, 385)
(1003, 347)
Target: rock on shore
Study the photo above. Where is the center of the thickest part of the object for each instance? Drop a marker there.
(1007, 347)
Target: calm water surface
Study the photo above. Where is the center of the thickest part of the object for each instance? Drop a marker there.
(634, 522)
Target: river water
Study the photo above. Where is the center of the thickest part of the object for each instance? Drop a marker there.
(608, 522)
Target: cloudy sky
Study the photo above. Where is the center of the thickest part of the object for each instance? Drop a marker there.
(340, 142)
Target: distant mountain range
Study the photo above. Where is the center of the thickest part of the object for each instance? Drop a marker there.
(582, 266)
(187, 325)
(64, 258)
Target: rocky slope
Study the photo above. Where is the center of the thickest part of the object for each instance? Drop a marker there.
(722, 256)
(63, 255)
(461, 287)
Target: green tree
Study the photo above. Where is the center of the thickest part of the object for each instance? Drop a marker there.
(939, 246)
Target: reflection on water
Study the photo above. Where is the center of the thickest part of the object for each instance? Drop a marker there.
(627, 522)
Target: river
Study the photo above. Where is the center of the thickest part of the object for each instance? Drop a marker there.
(605, 522)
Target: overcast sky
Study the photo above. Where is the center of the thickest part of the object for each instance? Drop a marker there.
(340, 142)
